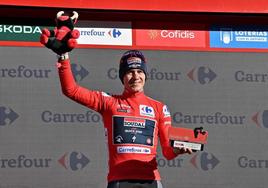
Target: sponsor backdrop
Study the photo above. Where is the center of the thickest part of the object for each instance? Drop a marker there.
(49, 141)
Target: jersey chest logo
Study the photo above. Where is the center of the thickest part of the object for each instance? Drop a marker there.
(133, 130)
(147, 111)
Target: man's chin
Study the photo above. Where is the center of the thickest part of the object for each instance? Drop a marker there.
(136, 89)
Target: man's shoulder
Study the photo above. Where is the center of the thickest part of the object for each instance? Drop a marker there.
(157, 102)
(106, 94)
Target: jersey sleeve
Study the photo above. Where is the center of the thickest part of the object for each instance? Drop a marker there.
(90, 98)
(164, 125)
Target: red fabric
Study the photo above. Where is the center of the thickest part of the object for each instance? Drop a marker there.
(133, 124)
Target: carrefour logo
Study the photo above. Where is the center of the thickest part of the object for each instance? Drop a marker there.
(202, 75)
(247, 162)
(153, 74)
(89, 116)
(23, 161)
(261, 118)
(251, 77)
(79, 72)
(147, 111)
(119, 34)
(115, 33)
(204, 161)
(22, 71)
(216, 118)
(7, 116)
(74, 161)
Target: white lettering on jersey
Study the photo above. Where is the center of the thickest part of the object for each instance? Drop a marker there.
(132, 149)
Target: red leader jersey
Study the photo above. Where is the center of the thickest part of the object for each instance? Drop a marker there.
(133, 123)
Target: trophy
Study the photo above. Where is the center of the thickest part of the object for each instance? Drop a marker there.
(194, 139)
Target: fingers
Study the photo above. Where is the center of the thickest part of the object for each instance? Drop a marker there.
(75, 34)
(186, 150)
(183, 150)
(43, 39)
(72, 43)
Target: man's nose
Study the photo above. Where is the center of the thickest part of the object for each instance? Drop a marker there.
(135, 74)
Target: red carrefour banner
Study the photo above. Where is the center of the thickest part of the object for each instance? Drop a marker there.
(170, 35)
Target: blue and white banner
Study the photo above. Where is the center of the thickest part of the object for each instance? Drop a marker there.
(238, 37)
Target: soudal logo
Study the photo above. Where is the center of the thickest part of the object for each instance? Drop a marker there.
(204, 161)
(115, 33)
(202, 75)
(7, 116)
(134, 122)
(261, 118)
(79, 72)
(74, 161)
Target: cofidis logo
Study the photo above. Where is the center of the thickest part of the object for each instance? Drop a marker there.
(247, 36)
(171, 36)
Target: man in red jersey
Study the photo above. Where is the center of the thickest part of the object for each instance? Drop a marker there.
(132, 120)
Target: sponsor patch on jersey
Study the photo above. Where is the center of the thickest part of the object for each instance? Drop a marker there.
(123, 108)
(166, 111)
(147, 111)
(133, 130)
(134, 122)
(133, 149)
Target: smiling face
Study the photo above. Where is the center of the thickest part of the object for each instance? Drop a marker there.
(134, 80)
